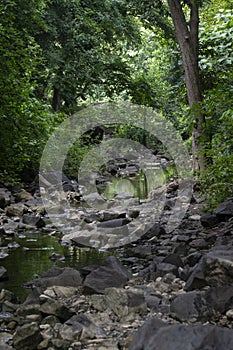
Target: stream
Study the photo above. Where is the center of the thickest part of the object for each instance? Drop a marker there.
(32, 257)
(29, 253)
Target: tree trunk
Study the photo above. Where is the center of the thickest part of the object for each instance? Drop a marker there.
(57, 100)
(187, 37)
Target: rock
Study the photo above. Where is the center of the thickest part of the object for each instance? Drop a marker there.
(26, 310)
(196, 280)
(113, 223)
(209, 220)
(214, 269)
(193, 258)
(106, 215)
(111, 274)
(155, 231)
(22, 195)
(5, 197)
(95, 199)
(6, 295)
(173, 259)
(145, 332)
(164, 268)
(5, 339)
(66, 277)
(61, 292)
(10, 228)
(27, 337)
(229, 314)
(199, 244)
(17, 209)
(225, 210)
(52, 178)
(33, 220)
(189, 306)
(80, 327)
(123, 302)
(140, 250)
(3, 274)
(152, 301)
(157, 335)
(55, 308)
(220, 299)
(13, 245)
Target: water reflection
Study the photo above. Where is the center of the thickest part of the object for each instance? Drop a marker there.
(138, 186)
(33, 257)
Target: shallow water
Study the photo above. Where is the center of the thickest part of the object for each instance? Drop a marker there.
(33, 255)
(32, 258)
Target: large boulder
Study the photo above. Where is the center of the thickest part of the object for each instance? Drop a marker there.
(80, 327)
(158, 335)
(190, 306)
(209, 220)
(27, 337)
(66, 277)
(220, 299)
(111, 274)
(225, 210)
(214, 269)
(33, 220)
(55, 308)
(17, 209)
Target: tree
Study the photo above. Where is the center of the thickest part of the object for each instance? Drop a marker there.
(185, 18)
(188, 40)
(25, 121)
(83, 44)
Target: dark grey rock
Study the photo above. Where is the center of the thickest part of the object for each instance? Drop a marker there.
(27, 337)
(55, 308)
(199, 243)
(191, 305)
(141, 251)
(33, 220)
(196, 280)
(214, 269)
(155, 230)
(152, 301)
(164, 268)
(225, 210)
(220, 299)
(66, 277)
(145, 332)
(209, 220)
(80, 327)
(157, 335)
(111, 274)
(113, 223)
(173, 259)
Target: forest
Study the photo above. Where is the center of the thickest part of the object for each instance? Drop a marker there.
(175, 57)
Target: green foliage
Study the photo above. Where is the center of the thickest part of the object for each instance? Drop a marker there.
(217, 179)
(138, 135)
(216, 57)
(83, 44)
(19, 54)
(74, 158)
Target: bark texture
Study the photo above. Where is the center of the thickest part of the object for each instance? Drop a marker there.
(187, 37)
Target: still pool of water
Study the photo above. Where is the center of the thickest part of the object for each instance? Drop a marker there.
(32, 258)
(33, 255)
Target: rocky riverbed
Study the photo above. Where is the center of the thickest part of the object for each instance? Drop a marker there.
(167, 290)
